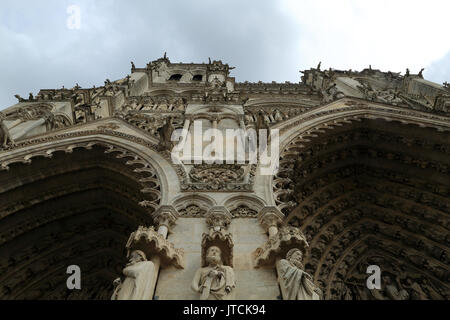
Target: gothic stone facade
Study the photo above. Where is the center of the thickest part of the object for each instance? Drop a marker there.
(86, 179)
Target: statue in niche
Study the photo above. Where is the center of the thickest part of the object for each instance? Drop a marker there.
(215, 281)
(139, 275)
(295, 283)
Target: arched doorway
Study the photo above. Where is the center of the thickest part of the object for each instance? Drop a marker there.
(371, 192)
(76, 208)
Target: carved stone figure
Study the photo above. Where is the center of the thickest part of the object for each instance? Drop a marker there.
(261, 122)
(139, 275)
(165, 134)
(433, 294)
(215, 281)
(5, 137)
(50, 121)
(394, 290)
(361, 181)
(216, 176)
(18, 97)
(415, 290)
(295, 283)
(421, 72)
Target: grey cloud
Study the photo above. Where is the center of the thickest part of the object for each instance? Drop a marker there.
(40, 52)
(439, 71)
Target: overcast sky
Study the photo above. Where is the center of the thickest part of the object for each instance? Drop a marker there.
(264, 40)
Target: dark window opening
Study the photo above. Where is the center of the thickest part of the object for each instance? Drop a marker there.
(197, 77)
(175, 77)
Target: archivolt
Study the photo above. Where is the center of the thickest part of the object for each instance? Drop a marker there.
(367, 191)
(70, 203)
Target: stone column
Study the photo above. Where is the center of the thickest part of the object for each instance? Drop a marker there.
(155, 250)
(164, 218)
(270, 219)
(215, 122)
(186, 127)
(242, 136)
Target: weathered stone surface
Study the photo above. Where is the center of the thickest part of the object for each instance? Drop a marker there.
(363, 179)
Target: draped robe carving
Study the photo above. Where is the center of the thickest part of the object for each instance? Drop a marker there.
(295, 283)
(139, 275)
(216, 281)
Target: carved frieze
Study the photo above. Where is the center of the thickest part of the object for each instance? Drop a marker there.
(243, 211)
(192, 211)
(218, 177)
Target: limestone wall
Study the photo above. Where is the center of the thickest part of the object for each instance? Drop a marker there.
(251, 283)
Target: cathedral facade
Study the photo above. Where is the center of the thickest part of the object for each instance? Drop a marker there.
(309, 186)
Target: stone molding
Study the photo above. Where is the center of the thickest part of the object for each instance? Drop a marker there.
(165, 215)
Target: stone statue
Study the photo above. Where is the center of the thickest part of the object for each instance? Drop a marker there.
(261, 122)
(18, 97)
(295, 283)
(49, 119)
(215, 281)
(421, 72)
(415, 290)
(139, 275)
(5, 137)
(432, 293)
(165, 135)
(394, 290)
